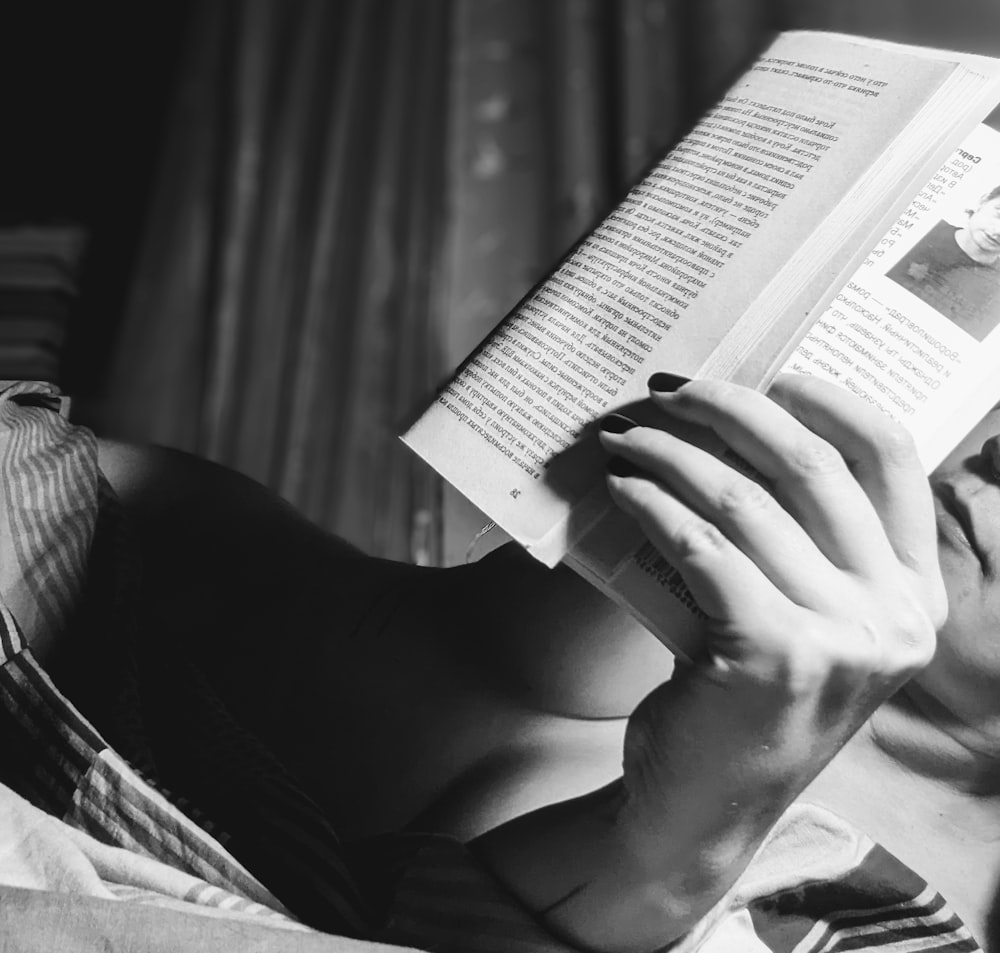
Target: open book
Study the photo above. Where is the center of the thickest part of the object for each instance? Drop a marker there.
(795, 227)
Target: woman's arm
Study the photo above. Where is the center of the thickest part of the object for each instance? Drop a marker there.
(822, 591)
(552, 640)
(437, 677)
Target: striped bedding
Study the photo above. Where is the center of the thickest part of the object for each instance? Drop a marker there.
(84, 818)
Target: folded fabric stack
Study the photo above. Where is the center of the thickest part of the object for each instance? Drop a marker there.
(39, 267)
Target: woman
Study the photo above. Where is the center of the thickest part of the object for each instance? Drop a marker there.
(494, 701)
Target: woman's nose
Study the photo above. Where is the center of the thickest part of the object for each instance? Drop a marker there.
(991, 454)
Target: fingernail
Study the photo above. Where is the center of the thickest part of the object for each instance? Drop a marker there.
(664, 383)
(616, 423)
(620, 467)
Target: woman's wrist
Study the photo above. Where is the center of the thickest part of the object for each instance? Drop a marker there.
(708, 769)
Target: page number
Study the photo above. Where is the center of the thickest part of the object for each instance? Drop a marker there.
(515, 493)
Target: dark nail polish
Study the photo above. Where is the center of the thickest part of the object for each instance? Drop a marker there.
(620, 467)
(616, 423)
(664, 383)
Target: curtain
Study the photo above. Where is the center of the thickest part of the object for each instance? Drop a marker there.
(351, 194)
(280, 318)
(556, 108)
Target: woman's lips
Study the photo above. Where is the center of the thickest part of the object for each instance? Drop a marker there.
(957, 515)
(973, 505)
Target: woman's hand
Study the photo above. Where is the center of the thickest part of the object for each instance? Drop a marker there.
(820, 583)
(821, 586)
(824, 568)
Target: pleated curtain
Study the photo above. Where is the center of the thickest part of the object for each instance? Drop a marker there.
(351, 194)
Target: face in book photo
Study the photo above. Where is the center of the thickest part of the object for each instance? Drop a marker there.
(956, 268)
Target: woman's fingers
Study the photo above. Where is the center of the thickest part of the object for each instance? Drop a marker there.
(881, 457)
(806, 472)
(726, 583)
(721, 497)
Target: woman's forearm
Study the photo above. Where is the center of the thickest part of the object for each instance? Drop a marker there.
(639, 863)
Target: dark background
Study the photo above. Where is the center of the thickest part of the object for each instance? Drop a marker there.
(86, 88)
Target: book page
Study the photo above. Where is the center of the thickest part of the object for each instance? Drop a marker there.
(661, 280)
(658, 283)
(914, 331)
